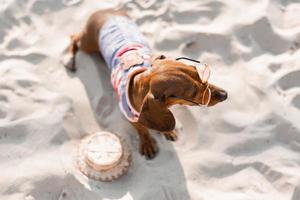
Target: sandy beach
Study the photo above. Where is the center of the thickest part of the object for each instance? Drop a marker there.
(246, 148)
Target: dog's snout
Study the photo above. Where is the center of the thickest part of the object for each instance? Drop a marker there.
(221, 95)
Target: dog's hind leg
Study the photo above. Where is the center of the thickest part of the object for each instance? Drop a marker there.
(73, 49)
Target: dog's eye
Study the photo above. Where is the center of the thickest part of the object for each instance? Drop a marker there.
(161, 57)
(194, 94)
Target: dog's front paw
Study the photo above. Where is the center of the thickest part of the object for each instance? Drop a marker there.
(172, 135)
(148, 147)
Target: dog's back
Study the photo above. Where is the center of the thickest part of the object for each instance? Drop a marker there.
(126, 52)
(119, 33)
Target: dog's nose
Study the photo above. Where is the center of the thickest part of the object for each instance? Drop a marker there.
(221, 95)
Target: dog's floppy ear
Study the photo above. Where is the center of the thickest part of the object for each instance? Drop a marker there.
(155, 115)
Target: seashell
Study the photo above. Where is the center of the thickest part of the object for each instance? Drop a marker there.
(103, 156)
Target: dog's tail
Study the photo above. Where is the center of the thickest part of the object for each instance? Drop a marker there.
(73, 49)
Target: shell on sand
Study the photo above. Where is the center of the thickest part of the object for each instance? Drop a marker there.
(103, 156)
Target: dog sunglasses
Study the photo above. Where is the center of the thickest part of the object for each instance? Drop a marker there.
(204, 75)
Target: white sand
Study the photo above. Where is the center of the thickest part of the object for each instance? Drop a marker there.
(247, 148)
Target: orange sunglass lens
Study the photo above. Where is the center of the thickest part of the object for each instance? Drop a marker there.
(205, 74)
(206, 96)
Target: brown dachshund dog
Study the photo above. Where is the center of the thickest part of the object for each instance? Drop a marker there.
(151, 93)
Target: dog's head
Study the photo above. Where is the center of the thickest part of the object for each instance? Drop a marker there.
(173, 82)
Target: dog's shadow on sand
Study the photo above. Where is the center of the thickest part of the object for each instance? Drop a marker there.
(161, 178)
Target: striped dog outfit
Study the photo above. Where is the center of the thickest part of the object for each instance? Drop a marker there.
(126, 53)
